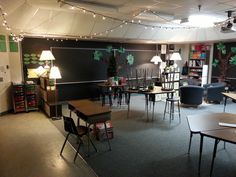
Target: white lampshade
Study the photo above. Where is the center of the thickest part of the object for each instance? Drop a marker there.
(54, 73)
(175, 56)
(156, 59)
(46, 55)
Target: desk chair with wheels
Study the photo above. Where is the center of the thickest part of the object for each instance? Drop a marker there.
(79, 131)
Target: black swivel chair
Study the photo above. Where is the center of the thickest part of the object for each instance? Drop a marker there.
(79, 131)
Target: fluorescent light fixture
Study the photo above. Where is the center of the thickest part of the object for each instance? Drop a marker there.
(54, 73)
(175, 56)
(203, 20)
(200, 20)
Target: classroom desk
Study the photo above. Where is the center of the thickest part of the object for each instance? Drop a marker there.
(149, 95)
(111, 88)
(226, 135)
(91, 113)
(231, 95)
(206, 123)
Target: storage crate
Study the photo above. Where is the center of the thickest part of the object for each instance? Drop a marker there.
(100, 133)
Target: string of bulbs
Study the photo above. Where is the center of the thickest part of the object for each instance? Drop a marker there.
(123, 22)
(15, 38)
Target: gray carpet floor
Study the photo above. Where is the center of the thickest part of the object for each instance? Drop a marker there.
(158, 148)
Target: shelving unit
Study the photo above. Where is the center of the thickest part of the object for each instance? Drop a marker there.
(31, 97)
(199, 56)
(48, 97)
(18, 98)
(24, 97)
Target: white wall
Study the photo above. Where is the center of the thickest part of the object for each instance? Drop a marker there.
(10, 71)
(184, 54)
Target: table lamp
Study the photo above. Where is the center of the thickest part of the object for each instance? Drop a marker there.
(55, 74)
(46, 56)
(157, 59)
(175, 56)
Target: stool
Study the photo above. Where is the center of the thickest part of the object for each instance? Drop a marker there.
(171, 108)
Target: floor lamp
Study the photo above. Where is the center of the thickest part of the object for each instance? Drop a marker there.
(55, 74)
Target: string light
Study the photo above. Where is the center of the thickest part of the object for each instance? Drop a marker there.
(139, 22)
(95, 14)
(16, 38)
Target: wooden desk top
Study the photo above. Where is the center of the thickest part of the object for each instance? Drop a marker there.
(228, 134)
(88, 108)
(206, 122)
(230, 95)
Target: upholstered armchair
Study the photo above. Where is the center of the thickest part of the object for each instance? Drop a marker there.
(191, 95)
(213, 92)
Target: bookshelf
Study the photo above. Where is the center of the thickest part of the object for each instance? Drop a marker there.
(199, 56)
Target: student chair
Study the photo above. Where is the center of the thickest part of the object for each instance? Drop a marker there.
(79, 131)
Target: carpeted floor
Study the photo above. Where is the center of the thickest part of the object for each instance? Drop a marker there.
(157, 148)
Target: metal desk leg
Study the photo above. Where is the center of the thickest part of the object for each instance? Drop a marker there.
(128, 103)
(225, 102)
(107, 136)
(214, 155)
(89, 140)
(146, 99)
(200, 155)
(153, 106)
(190, 142)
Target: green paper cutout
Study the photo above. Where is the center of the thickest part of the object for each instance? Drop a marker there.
(109, 49)
(121, 50)
(97, 55)
(26, 59)
(232, 61)
(130, 59)
(26, 55)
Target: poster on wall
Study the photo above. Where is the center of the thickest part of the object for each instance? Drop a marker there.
(30, 64)
(13, 46)
(3, 47)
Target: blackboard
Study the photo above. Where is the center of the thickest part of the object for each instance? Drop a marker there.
(78, 64)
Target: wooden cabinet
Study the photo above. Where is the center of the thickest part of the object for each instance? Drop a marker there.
(199, 56)
(48, 96)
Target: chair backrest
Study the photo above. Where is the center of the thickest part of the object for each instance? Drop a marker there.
(69, 125)
(167, 80)
(191, 94)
